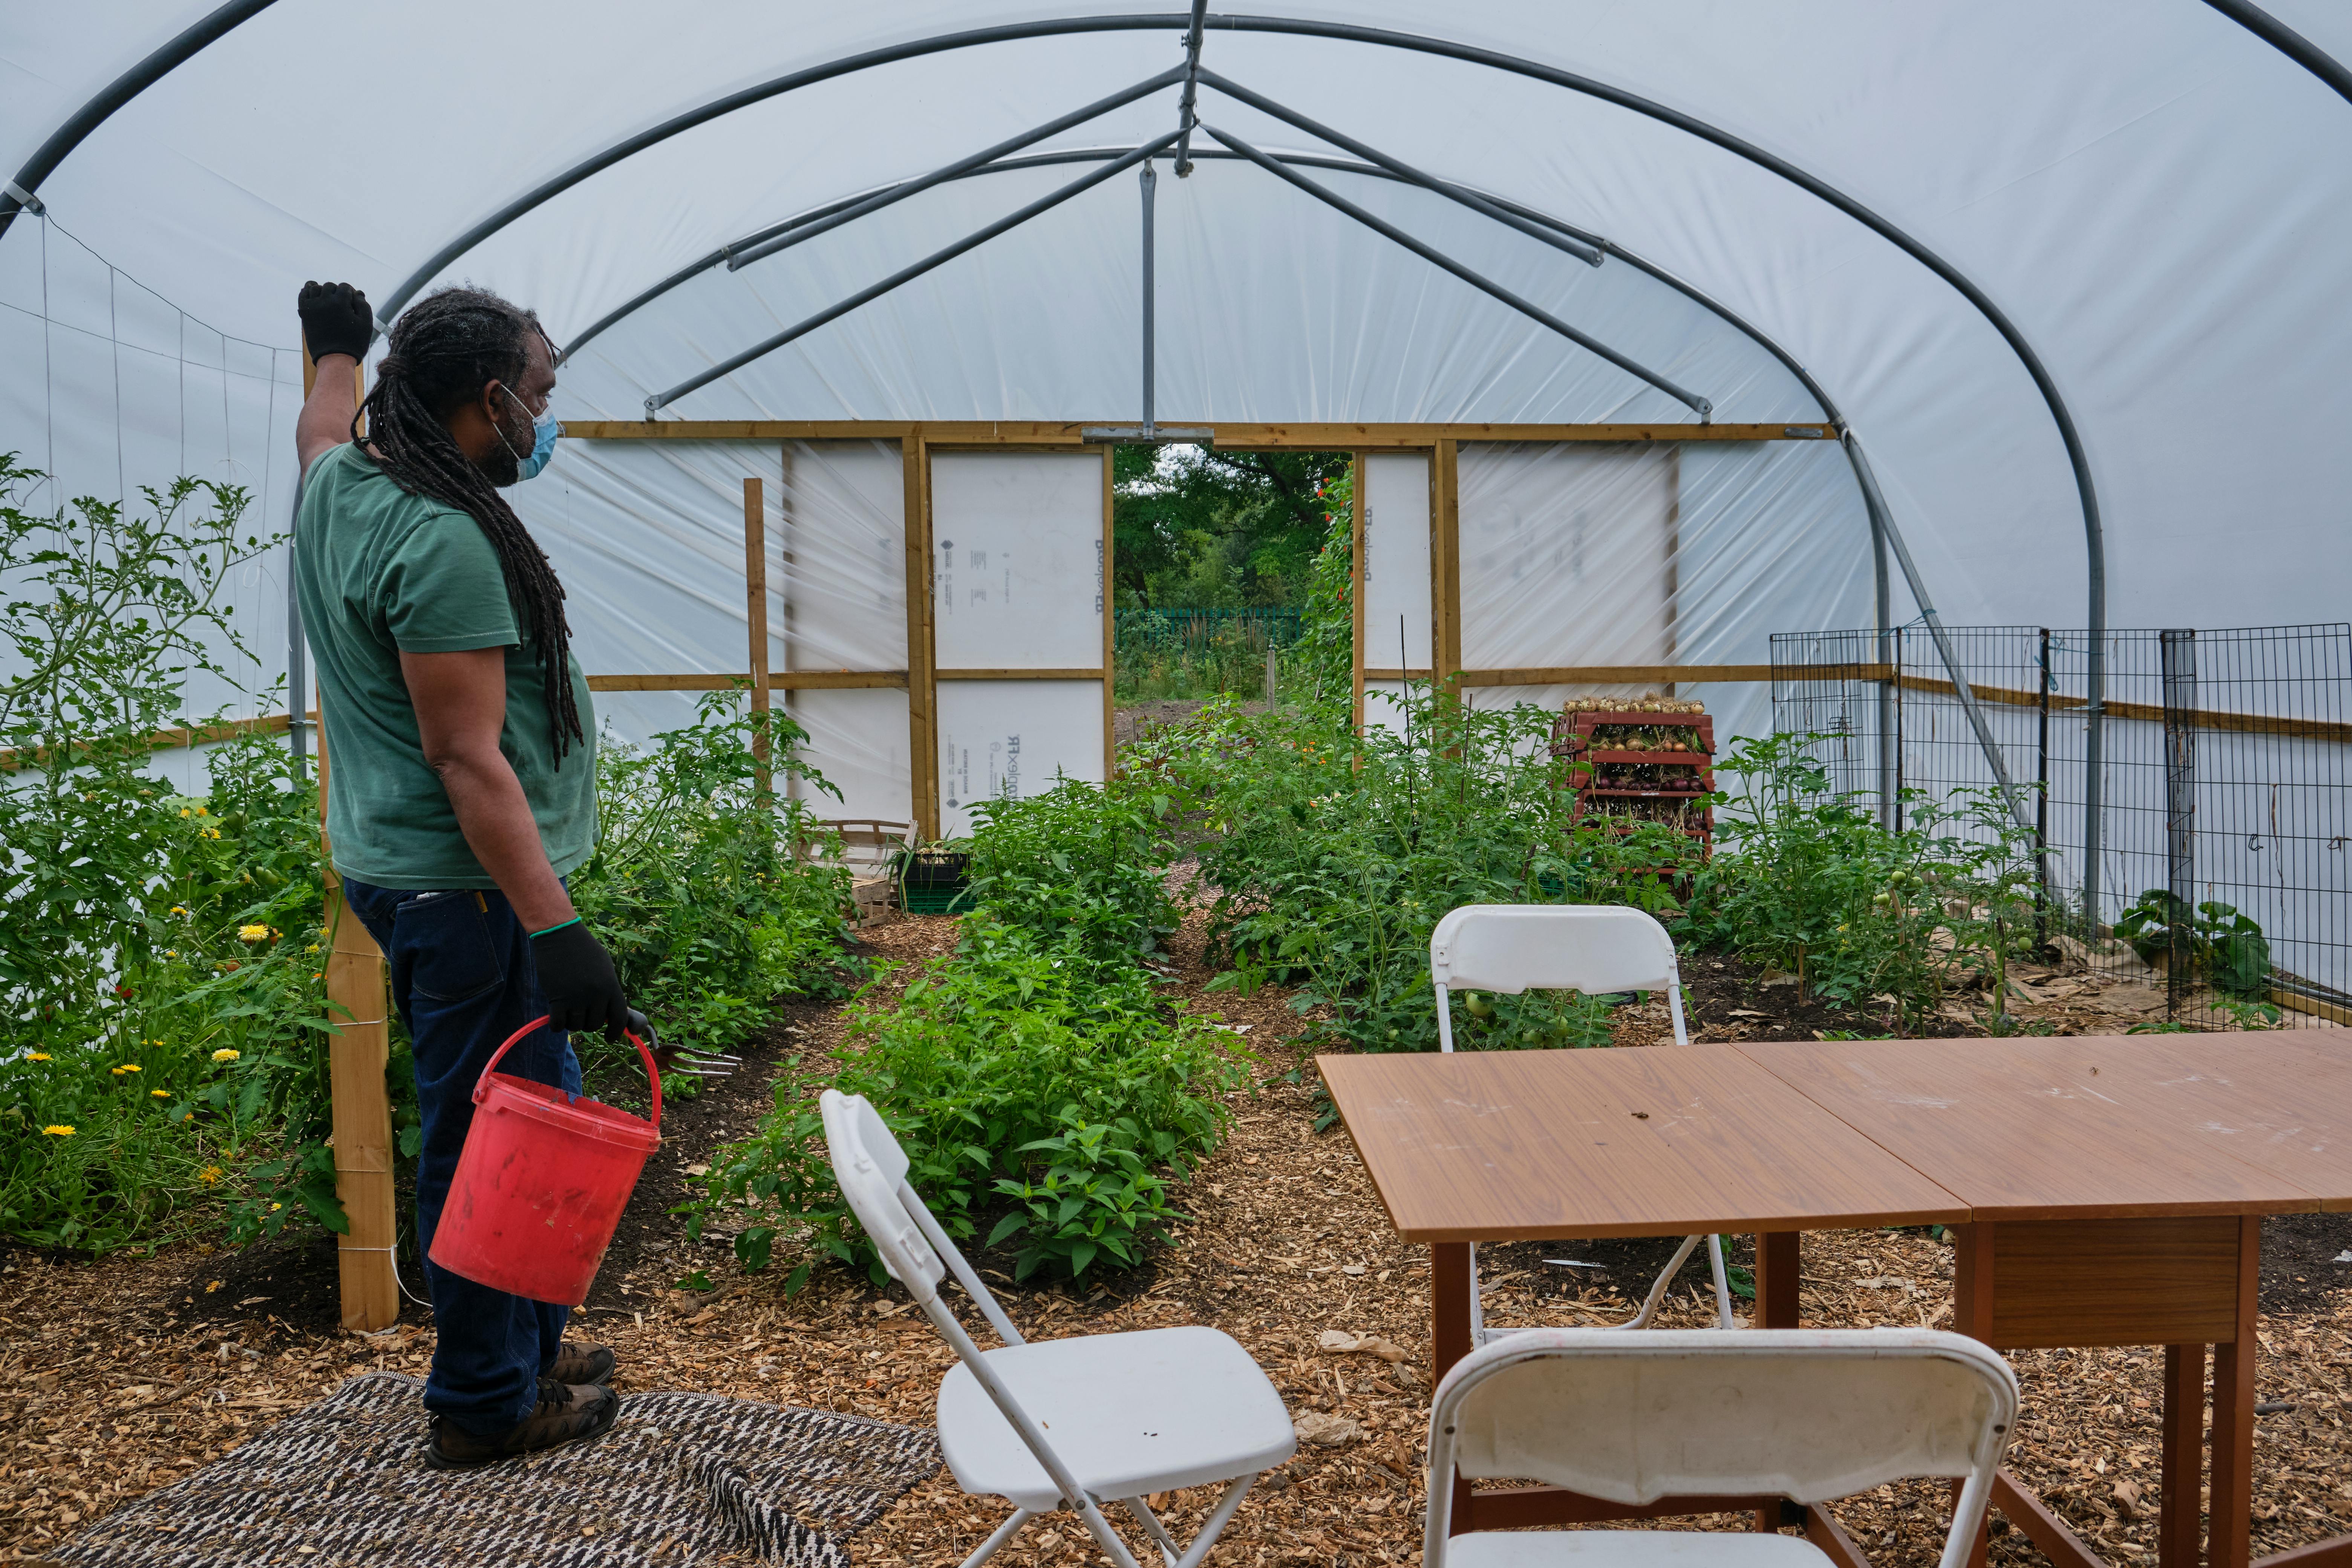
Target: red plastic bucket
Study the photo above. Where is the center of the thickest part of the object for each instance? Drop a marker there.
(541, 1183)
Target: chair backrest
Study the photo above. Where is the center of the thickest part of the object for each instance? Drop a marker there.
(1808, 1413)
(1551, 947)
(871, 1169)
(1591, 948)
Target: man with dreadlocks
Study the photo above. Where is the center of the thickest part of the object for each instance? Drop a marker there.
(461, 773)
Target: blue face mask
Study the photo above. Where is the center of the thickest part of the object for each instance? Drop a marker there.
(543, 441)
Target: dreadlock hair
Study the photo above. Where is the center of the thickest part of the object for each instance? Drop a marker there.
(445, 350)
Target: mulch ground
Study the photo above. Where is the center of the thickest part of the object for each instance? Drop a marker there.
(118, 1376)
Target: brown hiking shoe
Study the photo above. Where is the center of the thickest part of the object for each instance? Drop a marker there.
(581, 1364)
(566, 1412)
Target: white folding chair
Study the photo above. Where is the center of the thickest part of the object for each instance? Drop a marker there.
(1593, 948)
(1129, 1414)
(1809, 1414)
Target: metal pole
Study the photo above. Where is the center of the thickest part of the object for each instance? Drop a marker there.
(1692, 400)
(1943, 640)
(2179, 667)
(1186, 115)
(1151, 190)
(1405, 171)
(908, 274)
(1883, 593)
(2041, 803)
(739, 259)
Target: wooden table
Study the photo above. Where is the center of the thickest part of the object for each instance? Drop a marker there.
(2102, 1190)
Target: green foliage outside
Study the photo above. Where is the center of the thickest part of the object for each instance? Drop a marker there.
(2214, 939)
(1199, 527)
(162, 1015)
(1037, 1076)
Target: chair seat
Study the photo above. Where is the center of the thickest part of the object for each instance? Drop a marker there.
(1630, 1549)
(1130, 1414)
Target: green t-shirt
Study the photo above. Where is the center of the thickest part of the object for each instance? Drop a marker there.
(382, 572)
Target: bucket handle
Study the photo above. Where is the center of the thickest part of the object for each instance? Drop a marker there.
(653, 1074)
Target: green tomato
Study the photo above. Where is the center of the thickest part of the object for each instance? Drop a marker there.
(1479, 1006)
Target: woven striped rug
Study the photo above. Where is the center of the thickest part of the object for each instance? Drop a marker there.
(681, 1479)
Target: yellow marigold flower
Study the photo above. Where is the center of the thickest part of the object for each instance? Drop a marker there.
(209, 1174)
(200, 811)
(59, 1130)
(226, 1055)
(214, 833)
(184, 811)
(179, 909)
(171, 952)
(253, 933)
(36, 1055)
(312, 948)
(128, 1066)
(161, 1093)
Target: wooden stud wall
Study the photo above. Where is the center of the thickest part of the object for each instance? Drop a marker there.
(1048, 433)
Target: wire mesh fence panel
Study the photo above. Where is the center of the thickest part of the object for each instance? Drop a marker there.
(2222, 874)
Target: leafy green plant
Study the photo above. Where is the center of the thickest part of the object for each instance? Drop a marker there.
(1809, 882)
(1334, 856)
(1095, 1195)
(2221, 943)
(976, 1066)
(1079, 864)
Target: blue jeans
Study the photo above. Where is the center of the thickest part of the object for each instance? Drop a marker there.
(463, 978)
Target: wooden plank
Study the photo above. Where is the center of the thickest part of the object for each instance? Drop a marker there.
(1830, 1537)
(755, 594)
(1674, 565)
(1618, 674)
(2164, 1281)
(1240, 436)
(2043, 1528)
(359, 1105)
(1355, 578)
(2230, 1486)
(2024, 1129)
(2333, 1552)
(1446, 561)
(1534, 1146)
(175, 739)
(778, 680)
(922, 729)
(1397, 674)
(2204, 718)
(1021, 675)
(1105, 592)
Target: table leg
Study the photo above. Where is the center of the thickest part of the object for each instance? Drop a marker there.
(1972, 1271)
(2230, 1528)
(1777, 1261)
(2179, 1513)
(1449, 1335)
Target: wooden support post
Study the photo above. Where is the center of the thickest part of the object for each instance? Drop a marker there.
(2231, 1489)
(1444, 570)
(755, 589)
(1673, 563)
(2179, 1511)
(1972, 1288)
(1777, 1261)
(922, 686)
(1109, 634)
(1357, 564)
(360, 1109)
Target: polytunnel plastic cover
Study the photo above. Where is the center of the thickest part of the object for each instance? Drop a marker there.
(2150, 192)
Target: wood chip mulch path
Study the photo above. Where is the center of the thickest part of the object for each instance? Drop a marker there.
(107, 1391)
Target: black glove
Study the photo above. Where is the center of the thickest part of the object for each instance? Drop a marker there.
(575, 974)
(335, 320)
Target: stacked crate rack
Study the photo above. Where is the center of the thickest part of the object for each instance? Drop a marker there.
(1584, 737)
